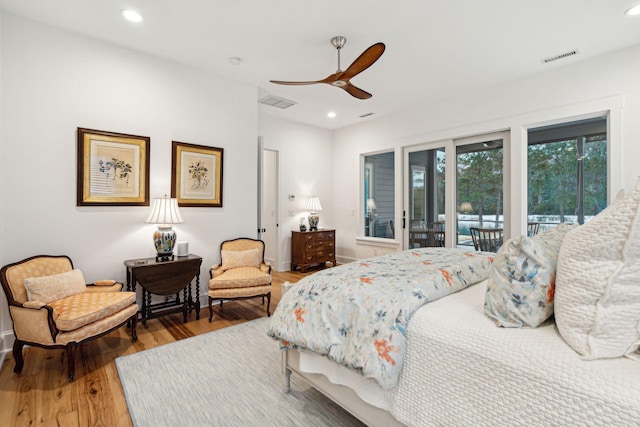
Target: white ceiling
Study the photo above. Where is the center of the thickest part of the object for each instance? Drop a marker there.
(434, 49)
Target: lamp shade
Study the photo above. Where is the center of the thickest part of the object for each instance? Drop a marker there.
(465, 207)
(313, 204)
(165, 211)
(371, 205)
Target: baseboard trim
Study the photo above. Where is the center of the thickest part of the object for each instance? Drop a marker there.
(346, 260)
(6, 341)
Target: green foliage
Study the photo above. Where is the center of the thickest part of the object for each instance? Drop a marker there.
(479, 181)
(553, 171)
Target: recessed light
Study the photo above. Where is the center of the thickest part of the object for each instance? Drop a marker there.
(635, 10)
(131, 15)
(331, 114)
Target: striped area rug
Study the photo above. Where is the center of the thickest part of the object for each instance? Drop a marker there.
(230, 377)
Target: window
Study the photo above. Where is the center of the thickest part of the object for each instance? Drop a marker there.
(379, 195)
(567, 172)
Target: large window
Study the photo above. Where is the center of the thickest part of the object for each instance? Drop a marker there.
(379, 195)
(567, 172)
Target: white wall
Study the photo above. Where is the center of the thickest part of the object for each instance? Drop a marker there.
(54, 82)
(562, 91)
(306, 168)
(3, 300)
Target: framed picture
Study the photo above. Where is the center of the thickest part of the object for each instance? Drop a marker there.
(196, 175)
(113, 169)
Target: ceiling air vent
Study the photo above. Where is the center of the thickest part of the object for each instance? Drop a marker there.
(560, 56)
(277, 102)
(366, 115)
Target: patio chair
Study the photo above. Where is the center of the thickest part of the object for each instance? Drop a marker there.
(486, 239)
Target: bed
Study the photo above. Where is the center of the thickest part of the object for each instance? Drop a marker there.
(460, 369)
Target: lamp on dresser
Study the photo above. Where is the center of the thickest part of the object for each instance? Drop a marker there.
(165, 212)
(313, 205)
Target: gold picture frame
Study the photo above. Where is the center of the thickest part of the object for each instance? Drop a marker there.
(113, 169)
(196, 174)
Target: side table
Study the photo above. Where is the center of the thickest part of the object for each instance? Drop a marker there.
(165, 278)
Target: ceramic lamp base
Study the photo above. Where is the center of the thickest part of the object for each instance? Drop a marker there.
(314, 218)
(164, 239)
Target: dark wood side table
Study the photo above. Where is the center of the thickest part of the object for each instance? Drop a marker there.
(312, 247)
(165, 278)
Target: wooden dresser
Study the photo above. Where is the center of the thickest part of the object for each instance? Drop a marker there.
(312, 247)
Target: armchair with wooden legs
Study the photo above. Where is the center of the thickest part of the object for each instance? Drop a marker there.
(242, 273)
(52, 307)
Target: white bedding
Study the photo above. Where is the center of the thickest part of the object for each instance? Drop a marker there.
(460, 369)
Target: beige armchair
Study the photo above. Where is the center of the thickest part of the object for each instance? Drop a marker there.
(242, 273)
(52, 307)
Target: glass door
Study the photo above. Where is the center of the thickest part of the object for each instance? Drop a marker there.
(424, 207)
(479, 187)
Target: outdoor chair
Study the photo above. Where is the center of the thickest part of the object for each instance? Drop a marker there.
(242, 273)
(52, 307)
(533, 228)
(486, 239)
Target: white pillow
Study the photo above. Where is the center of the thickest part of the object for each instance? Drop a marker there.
(235, 259)
(597, 301)
(52, 288)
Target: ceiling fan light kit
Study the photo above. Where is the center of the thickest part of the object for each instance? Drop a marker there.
(341, 79)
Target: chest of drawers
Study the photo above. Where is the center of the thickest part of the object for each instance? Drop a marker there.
(312, 247)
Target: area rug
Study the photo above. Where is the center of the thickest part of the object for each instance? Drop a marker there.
(230, 377)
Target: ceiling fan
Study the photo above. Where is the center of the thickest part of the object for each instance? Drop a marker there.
(341, 78)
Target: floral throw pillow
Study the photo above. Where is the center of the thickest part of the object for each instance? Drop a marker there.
(55, 287)
(521, 285)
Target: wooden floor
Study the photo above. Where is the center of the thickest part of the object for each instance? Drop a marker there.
(42, 394)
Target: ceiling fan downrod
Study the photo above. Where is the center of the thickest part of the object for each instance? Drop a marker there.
(338, 42)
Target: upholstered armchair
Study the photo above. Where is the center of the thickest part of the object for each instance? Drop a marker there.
(242, 273)
(52, 307)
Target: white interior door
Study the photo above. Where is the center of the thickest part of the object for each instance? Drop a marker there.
(269, 206)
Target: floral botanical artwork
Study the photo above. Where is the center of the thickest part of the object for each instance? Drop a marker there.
(199, 174)
(112, 168)
(196, 175)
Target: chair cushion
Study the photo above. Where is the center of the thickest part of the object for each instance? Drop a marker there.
(231, 293)
(81, 309)
(235, 259)
(242, 277)
(55, 287)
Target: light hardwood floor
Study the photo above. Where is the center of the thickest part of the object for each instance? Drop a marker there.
(42, 394)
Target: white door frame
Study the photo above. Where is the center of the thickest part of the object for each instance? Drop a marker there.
(449, 148)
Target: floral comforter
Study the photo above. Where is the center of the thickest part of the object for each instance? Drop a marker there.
(356, 314)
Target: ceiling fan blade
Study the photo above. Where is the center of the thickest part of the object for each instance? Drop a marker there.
(356, 91)
(295, 83)
(364, 61)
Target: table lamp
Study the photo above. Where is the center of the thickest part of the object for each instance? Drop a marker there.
(313, 205)
(165, 212)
